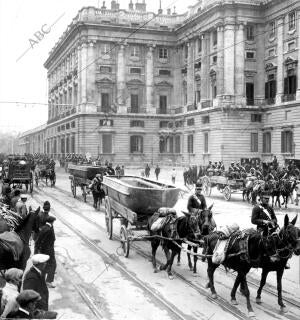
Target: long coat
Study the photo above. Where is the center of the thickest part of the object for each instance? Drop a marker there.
(35, 281)
(258, 217)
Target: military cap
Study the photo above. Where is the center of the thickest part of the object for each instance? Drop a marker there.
(23, 196)
(13, 274)
(39, 258)
(198, 185)
(27, 296)
(46, 205)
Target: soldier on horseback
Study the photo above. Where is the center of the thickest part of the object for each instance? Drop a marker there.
(197, 202)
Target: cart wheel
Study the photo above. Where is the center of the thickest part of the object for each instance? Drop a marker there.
(227, 193)
(108, 219)
(83, 188)
(73, 187)
(124, 241)
(37, 181)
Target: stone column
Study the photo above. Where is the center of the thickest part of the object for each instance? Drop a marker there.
(177, 82)
(259, 87)
(205, 81)
(79, 77)
(91, 78)
(121, 79)
(298, 72)
(229, 35)
(240, 65)
(220, 62)
(190, 79)
(150, 81)
(280, 82)
(83, 72)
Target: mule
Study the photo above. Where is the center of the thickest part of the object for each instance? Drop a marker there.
(186, 226)
(24, 230)
(286, 189)
(265, 253)
(206, 225)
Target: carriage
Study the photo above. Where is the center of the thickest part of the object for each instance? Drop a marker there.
(20, 172)
(133, 200)
(82, 176)
(225, 185)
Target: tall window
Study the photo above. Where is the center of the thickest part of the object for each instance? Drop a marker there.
(292, 20)
(105, 102)
(62, 146)
(134, 103)
(254, 142)
(105, 48)
(198, 96)
(270, 88)
(67, 144)
(287, 142)
(135, 51)
(162, 104)
(136, 144)
(215, 38)
(272, 29)
(177, 144)
(73, 144)
(75, 96)
(250, 93)
(190, 144)
(163, 53)
(290, 82)
(199, 44)
(107, 143)
(267, 142)
(250, 33)
(206, 142)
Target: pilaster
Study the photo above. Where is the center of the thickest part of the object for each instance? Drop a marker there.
(280, 30)
(240, 65)
(91, 79)
(259, 90)
(229, 61)
(298, 46)
(190, 74)
(121, 79)
(220, 62)
(204, 68)
(150, 80)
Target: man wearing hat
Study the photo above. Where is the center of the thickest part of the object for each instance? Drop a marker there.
(263, 215)
(14, 200)
(21, 207)
(27, 301)
(10, 291)
(95, 186)
(196, 202)
(45, 244)
(35, 280)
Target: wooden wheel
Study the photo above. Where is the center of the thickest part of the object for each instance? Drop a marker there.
(84, 193)
(206, 185)
(73, 187)
(108, 218)
(124, 240)
(227, 193)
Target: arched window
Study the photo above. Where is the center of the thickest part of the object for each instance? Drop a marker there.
(136, 144)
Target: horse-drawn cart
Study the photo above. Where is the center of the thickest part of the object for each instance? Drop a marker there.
(82, 176)
(20, 172)
(225, 185)
(133, 200)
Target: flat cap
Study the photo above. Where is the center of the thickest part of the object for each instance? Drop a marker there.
(13, 274)
(39, 258)
(27, 296)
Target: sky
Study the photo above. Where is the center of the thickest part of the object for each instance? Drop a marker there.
(23, 77)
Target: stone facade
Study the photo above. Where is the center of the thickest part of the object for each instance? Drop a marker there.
(219, 82)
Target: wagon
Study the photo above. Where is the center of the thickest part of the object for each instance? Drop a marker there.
(82, 176)
(19, 172)
(225, 185)
(133, 200)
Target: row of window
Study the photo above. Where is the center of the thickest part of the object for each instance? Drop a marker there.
(287, 142)
(135, 70)
(67, 145)
(66, 126)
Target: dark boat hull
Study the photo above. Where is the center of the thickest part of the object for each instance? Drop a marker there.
(142, 196)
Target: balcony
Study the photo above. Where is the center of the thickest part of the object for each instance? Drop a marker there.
(270, 101)
(255, 102)
(288, 97)
(192, 107)
(163, 111)
(206, 104)
(104, 109)
(136, 110)
(178, 110)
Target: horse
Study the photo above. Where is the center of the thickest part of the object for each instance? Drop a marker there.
(286, 189)
(206, 224)
(257, 189)
(24, 230)
(51, 176)
(248, 188)
(275, 192)
(267, 253)
(186, 226)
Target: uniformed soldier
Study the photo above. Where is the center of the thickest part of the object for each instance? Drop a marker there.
(197, 202)
(21, 207)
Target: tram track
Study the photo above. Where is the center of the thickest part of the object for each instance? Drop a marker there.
(200, 289)
(254, 283)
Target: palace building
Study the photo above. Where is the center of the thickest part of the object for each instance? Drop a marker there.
(220, 82)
